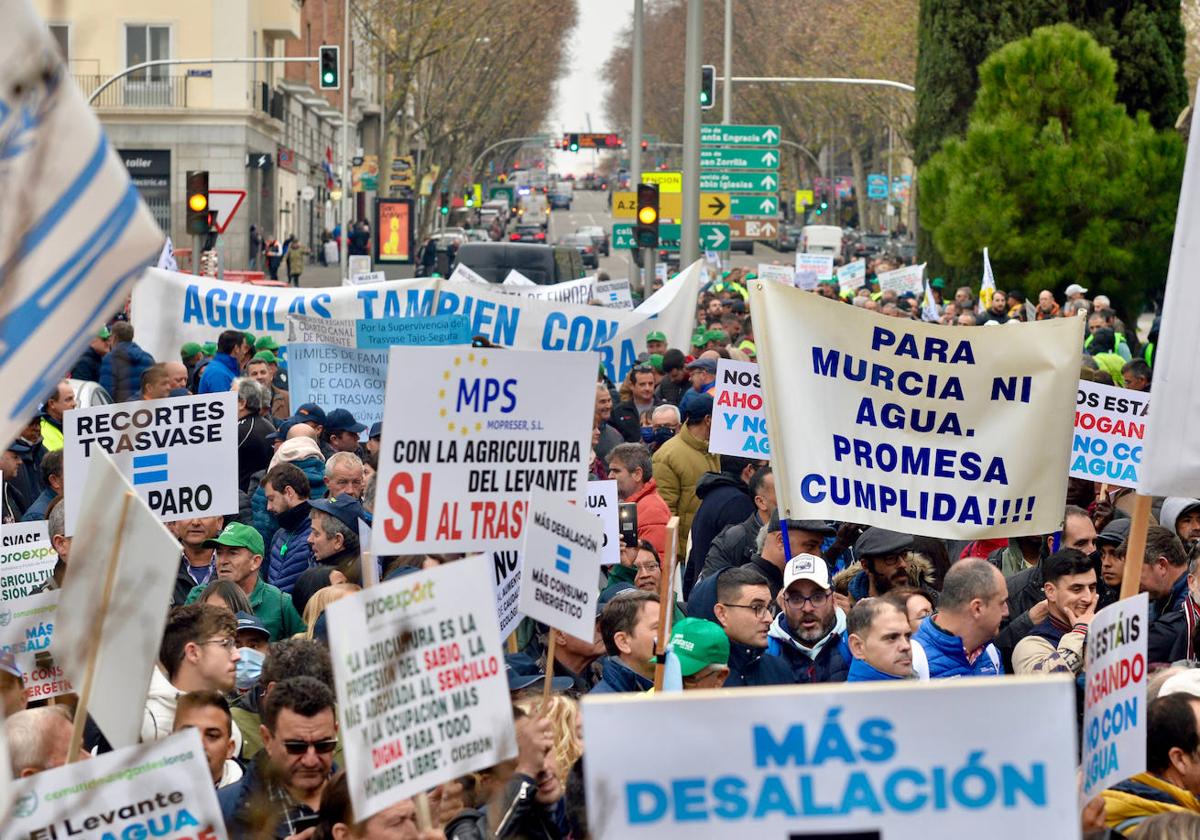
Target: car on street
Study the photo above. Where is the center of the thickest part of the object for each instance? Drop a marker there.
(599, 236)
(585, 246)
(789, 237)
(528, 233)
(543, 264)
(560, 195)
(870, 245)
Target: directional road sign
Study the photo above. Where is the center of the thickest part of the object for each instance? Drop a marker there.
(713, 206)
(754, 205)
(739, 181)
(739, 159)
(668, 182)
(712, 237)
(753, 228)
(739, 135)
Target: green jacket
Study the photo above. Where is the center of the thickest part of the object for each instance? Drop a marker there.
(271, 606)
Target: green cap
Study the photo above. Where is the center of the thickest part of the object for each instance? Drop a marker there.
(657, 335)
(250, 339)
(209, 348)
(716, 335)
(750, 275)
(829, 281)
(938, 283)
(104, 333)
(237, 535)
(699, 339)
(698, 643)
(189, 350)
(266, 343)
(266, 356)
(656, 361)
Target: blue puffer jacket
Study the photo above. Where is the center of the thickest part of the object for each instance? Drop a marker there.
(121, 371)
(290, 552)
(264, 521)
(218, 374)
(947, 657)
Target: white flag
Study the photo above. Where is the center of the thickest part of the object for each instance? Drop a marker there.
(166, 259)
(989, 283)
(1171, 454)
(929, 307)
(74, 234)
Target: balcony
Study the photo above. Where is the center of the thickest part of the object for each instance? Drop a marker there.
(136, 91)
(279, 18)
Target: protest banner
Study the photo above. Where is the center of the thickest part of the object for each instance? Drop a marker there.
(1114, 694)
(169, 309)
(464, 274)
(860, 761)
(819, 264)
(421, 683)
(570, 291)
(1110, 425)
(162, 789)
(180, 453)
(602, 501)
(27, 631)
(776, 273)
(74, 233)
(852, 276)
(305, 329)
(114, 603)
(456, 464)
(433, 331)
(907, 425)
(516, 278)
(506, 568)
(26, 558)
(739, 423)
(614, 294)
(561, 573)
(909, 279)
(345, 377)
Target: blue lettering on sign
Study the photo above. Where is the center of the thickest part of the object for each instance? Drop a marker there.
(478, 394)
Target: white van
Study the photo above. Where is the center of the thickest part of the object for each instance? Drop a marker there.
(821, 239)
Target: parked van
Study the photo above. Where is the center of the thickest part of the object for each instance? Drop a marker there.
(543, 264)
(821, 239)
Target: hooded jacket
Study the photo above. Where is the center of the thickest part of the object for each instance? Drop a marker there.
(827, 661)
(311, 463)
(290, 553)
(1130, 802)
(724, 501)
(678, 465)
(855, 581)
(158, 716)
(1172, 508)
(947, 658)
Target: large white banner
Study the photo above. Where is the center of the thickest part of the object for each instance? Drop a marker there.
(74, 232)
(858, 760)
(170, 309)
(909, 426)
(1110, 427)
(180, 453)
(421, 683)
(161, 789)
(467, 434)
(1114, 694)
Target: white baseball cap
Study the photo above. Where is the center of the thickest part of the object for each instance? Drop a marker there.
(806, 567)
(1075, 289)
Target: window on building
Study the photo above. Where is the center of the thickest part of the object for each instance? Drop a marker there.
(62, 36)
(147, 43)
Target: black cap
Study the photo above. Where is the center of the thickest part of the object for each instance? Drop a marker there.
(1114, 533)
(880, 542)
(524, 673)
(698, 408)
(341, 420)
(816, 526)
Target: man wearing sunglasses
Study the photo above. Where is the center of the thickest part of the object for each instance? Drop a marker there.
(283, 785)
(809, 632)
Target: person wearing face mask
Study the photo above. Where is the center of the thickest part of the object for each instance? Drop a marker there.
(664, 425)
(625, 415)
(253, 643)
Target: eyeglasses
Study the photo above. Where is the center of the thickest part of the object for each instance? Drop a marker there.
(760, 610)
(230, 645)
(301, 747)
(818, 600)
(647, 568)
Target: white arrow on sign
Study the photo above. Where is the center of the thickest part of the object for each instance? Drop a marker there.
(769, 135)
(768, 182)
(767, 205)
(716, 238)
(769, 158)
(225, 204)
(767, 229)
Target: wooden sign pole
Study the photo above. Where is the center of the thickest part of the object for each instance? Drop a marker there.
(549, 679)
(1136, 552)
(666, 601)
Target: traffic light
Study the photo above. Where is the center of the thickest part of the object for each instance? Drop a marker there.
(573, 142)
(708, 86)
(469, 197)
(645, 232)
(645, 145)
(331, 78)
(822, 206)
(444, 200)
(197, 202)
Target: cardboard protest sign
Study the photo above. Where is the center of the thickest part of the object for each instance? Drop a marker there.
(434, 331)
(1114, 694)
(341, 377)
(561, 574)
(819, 264)
(776, 273)
(739, 423)
(367, 277)
(602, 501)
(74, 233)
(456, 464)
(1110, 425)
(506, 569)
(907, 425)
(421, 683)
(852, 276)
(614, 294)
(161, 789)
(114, 602)
(852, 760)
(180, 453)
(27, 631)
(902, 280)
(26, 558)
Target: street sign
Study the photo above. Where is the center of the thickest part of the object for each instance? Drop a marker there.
(739, 159)
(739, 181)
(477, 193)
(224, 205)
(501, 192)
(713, 206)
(739, 135)
(754, 205)
(713, 237)
(668, 182)
(804, 198)
(308, 194)
(594, 140)
(877, 186)
(753, 228)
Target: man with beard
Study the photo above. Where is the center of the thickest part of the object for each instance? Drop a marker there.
(881, 553)
(807, 634)
(1183, 517)
(1055, 645)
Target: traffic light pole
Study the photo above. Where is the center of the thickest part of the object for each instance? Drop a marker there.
(689, 239)
(635, 147)
(727, 67)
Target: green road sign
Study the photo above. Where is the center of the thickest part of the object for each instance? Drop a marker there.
(713, 237)
(754, 206)
(739, 135)
(739, 182)
(739, 159)
(504, 192)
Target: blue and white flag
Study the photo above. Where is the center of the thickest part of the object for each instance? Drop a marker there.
(74, 233)
(166, 259)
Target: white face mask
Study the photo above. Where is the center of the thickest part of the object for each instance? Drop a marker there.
(249, 668)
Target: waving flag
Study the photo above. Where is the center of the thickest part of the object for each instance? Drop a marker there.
(929, 307)
(988, 286)
(327, 165)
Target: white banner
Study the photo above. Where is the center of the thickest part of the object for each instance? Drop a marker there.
(1114, 694)
(456, 466)
(1110, 425)
(162, 789)
(180, 453)
(74, 232)
(784, 274)
(421, 683)
(561, 574)
(570, 291)
(26, 558)
(857, 760)
(602, 501)
(739, 422)
(852, 276)
(27, 631)
(903, 280)
(908, 425)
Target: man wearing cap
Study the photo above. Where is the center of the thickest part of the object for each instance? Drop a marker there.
(225, 366)
(880, 642)
(87, 366)
(1182, 516)
(287, 491)
(736, 545)
(12, 502)
(12, 685)
(674, 383)
(679, 463)
(59, 402)
(313, 416)
(702, 649)
(627, 416)
(239, 557)
(278, 367)
(261, 370)
(631, 466)
(656, 342)
(198, 562)
(1112, 561)
(881, 553)
(703, 372)
(373, 438)
(629, 626)
(808, 632)
(1075, 292)
(334, 535)
(342, 431)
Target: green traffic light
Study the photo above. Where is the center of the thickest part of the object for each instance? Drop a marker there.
(445, 211)
(328, 77)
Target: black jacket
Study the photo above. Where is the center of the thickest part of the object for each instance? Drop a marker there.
(754, 666)
(184, 583)
(87, 366)
(523, 817)
(735, 546)
(626, 419)
(669, 392)
(254, 451)
(724, 501)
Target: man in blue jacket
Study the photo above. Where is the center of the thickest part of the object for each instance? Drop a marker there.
(629, 627)
(739, 599)
(225, 366)
(958, 638)
(287, 490)
(122, 368)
